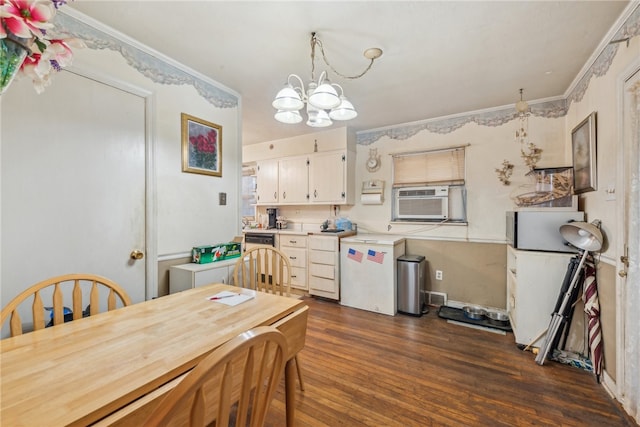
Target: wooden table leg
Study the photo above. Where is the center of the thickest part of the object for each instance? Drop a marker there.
(290, 391)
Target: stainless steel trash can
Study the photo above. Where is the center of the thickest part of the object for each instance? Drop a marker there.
(411, 279)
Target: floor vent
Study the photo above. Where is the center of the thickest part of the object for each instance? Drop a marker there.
(436, 298)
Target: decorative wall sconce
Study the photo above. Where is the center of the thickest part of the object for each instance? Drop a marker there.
(532, 156)
(505, 173)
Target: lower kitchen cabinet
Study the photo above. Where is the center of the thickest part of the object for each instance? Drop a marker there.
(534, 282)
(187, 276)
(324, 266)
(295, 247)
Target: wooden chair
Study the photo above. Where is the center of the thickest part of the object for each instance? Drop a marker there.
(266, 269)
(246, 370)
(75, 283)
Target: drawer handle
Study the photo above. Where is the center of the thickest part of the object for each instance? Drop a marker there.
(293, 241)
(294, 276)
(292, 257)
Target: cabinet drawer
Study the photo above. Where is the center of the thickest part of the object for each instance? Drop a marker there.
(293, 241)
(322, 257)
(322, 270)
(215, 275)
(297, 257)
(324, 243)
(321, 284)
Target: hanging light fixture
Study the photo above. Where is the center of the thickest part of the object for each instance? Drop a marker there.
(325, 101)
(523, 115)
(529, 152)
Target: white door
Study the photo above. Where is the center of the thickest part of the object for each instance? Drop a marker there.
(629, 248)
(73, 183)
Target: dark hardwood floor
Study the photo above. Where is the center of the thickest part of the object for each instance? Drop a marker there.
(368, 369)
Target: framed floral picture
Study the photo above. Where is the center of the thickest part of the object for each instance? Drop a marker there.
(583, 144)
(201, 146)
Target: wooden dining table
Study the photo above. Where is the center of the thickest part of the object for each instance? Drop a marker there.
(114, 368)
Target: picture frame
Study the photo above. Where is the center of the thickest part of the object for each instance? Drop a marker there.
(584, 151)
(201, 146)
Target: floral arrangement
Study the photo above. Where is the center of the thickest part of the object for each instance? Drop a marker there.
(202, 150)
(25, 46)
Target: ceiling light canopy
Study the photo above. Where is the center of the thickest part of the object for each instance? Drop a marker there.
(325, 101)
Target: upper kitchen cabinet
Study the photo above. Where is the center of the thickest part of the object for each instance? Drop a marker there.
(283, 181)
(332, 178)
(316, 168)
(267, 182)
(293, 180)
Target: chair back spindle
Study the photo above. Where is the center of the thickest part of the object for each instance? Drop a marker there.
(73, 281)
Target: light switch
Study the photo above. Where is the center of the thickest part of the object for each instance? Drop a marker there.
(222, 199)
(611, 192)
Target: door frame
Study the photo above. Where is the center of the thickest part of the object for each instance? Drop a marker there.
(150, 217)
(622, 230)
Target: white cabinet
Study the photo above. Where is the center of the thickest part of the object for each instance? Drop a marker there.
(187, 276)
(332, 178)
(283, 181)
(267, 182)
(293, 180)
(324, 266)
(319, 178)
(534, 282)
(368, 271)
(295, 247)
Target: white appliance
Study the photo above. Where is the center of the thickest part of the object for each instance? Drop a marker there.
(539, 230)
(368, 278)
(422, 202)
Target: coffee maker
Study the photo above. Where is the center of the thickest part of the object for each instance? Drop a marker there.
(272, 213)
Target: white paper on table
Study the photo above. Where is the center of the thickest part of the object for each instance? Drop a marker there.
(232, 298)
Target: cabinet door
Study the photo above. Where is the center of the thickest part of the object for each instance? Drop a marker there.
(293, 180)
(215, 275)
(534, 283)
(327, 183)
(267, 182)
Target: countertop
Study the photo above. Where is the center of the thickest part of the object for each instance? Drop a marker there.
(377, 239)
(297, 232)
(273, 231)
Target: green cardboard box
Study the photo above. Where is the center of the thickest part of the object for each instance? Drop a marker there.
(219, 252)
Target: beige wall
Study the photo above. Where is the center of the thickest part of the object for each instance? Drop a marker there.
(163, 273)
(471, 272)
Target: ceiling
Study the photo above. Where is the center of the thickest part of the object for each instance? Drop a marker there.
(440, 57)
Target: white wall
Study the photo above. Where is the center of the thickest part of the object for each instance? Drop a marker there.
(604, 97)
(188, 213)
(184, 206)
(488, 198)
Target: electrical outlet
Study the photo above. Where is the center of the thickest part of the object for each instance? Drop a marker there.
(438, 274)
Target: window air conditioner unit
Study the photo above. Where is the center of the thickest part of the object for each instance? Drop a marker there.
(422, 202)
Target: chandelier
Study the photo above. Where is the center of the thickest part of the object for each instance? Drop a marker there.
(529, 152)
(325, 101)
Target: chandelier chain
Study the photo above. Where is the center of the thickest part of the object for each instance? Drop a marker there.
(315, 41)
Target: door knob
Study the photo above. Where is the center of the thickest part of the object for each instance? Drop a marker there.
(622, 273)
(136, 254)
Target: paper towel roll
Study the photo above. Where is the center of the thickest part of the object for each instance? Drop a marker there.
(371, 199)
